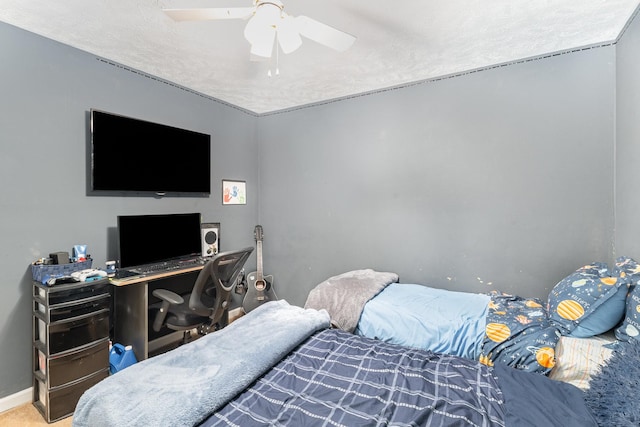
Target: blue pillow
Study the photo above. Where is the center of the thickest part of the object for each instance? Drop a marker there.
(629, 330)
(589, 301)
(604, 317)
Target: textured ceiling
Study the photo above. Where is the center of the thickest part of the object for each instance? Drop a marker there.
(398, 41)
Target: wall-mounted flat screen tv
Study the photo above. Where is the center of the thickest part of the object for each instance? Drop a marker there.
(135, 157)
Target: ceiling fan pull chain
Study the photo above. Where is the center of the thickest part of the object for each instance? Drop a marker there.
(277, 60)
(277, 56)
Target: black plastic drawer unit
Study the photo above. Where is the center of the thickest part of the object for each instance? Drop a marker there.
(60, 402)
(72, 366)
(78, 308)
(64, 335)
(70, 293)
(70, 343)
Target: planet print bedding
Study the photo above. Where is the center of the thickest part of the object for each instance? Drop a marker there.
(493, 328)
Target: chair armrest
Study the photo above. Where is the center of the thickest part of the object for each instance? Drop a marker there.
(168, 296)
(168, 299)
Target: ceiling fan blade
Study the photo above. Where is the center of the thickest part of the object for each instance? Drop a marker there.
(324, 34)
(288, 34)
(211, 13)
(263, 47)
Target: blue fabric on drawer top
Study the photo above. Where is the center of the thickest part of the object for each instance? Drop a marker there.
(421, 317)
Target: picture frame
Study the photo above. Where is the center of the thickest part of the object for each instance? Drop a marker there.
(234, 192)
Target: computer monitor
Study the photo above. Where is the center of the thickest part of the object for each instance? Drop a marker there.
(147, 239)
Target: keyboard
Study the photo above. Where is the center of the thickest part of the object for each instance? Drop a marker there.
(170, 265)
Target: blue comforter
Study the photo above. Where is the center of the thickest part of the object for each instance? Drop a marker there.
(280, 366)
(183, 386)
(339, 379)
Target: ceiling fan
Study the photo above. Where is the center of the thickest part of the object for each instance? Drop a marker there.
(268, 22)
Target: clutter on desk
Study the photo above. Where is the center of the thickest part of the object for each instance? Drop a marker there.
(80, 252)
(59, 267)
(110, 267)
(88, 275)
(58, 258)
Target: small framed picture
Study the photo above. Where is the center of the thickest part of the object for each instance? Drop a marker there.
(234, 192)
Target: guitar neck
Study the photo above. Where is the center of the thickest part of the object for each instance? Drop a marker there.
(259, 274)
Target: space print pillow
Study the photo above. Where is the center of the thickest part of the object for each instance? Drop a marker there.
(630, 328)
(589, 301)
(518, 334)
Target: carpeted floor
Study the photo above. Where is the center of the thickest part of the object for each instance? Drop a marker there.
(28, 416)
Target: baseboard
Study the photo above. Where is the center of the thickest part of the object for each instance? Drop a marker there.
(16, 399)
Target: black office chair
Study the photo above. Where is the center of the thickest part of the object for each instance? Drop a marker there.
(206, 307)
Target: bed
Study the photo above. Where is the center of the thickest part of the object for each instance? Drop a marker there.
(282, 365)
(494, 328)
(586, 334)
(294, 366)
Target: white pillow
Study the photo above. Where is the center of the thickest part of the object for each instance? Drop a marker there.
(578, 359)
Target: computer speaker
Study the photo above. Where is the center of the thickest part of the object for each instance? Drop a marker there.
(210, 236)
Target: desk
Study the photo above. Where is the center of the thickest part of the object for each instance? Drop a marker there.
(132, 297)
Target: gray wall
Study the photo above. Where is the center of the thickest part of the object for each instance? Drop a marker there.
(628, 143)
(46, 91)
(501, 179)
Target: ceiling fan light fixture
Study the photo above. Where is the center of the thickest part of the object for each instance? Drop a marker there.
(288, 34)
(265, 19)
(263, 46)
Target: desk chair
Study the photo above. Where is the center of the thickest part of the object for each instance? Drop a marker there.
(208, 303)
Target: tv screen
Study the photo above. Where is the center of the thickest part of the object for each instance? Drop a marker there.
(135, 156)
(147, 239)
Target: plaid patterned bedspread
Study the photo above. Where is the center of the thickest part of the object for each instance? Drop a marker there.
(339, 379)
